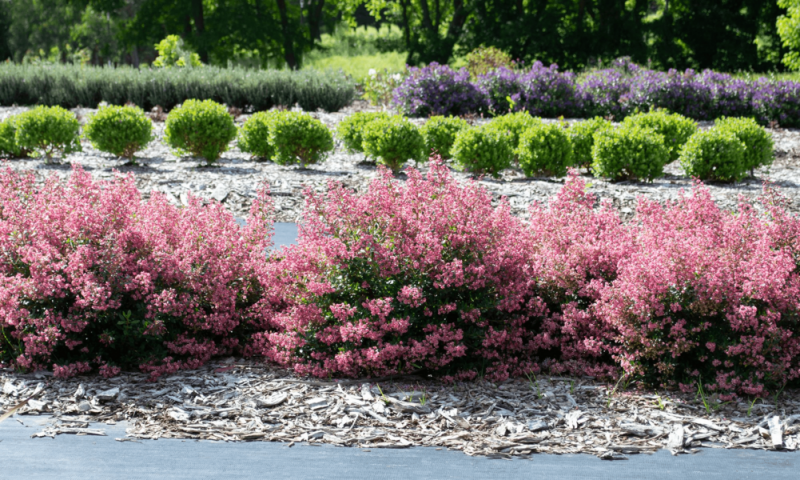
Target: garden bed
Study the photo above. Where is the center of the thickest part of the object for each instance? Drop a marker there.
(235, 179)
(237, 400)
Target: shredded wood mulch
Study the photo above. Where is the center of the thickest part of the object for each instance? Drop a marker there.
(249, 401)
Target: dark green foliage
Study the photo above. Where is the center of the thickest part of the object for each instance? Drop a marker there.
(48, 131)
(545, 150)
(254, 136)
(201, 128)
(122, 131)
(393, 141)
(714, 154)
(629, 153)
(8, 140)
(482, 150)
(757, 141)
(298, 137)
(440, 133)
(351, 129)
(675, 128)
(72, 86)
(582, 136)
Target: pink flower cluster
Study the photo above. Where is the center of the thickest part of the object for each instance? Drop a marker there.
(93, 277)
(425, 275)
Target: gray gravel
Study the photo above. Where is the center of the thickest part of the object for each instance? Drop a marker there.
(236, 178)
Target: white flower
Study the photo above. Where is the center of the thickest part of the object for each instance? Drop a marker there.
(397, 77)
(372, 72)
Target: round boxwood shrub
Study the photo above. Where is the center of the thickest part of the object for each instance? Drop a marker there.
(298, 137)
(254, 136)
(47, 131)
(482, 150)
(351, 129)
(512, 125)
(122, 131)
(440, 133)
(582, 136)
(675, 128)
(544, 150)
(201, 128)
(393, 141)
(757, 141)
(714, 154)
(8, 139)
(629, 152)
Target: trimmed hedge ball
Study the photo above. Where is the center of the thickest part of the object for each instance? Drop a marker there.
(629, 153)
(714, 154)
(298, 137)
(759, 148)
(121, 131)
(482, 150)
(48, 131)
(440, 132)
(582, 136)
(351, 129)
(675, 128)
(201, 128)
(8, 139)
(545, 150)
(392, 141)
(254, 136)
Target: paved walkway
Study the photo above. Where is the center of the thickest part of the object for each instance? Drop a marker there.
(67, 457)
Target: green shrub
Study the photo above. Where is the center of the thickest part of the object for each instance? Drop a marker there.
(392, 141)
(254, 136)
(48, 130)
(675, 128)
(298, 138)
(545, 150)
(714, 154)
(351, 129)
(440, 133)
(70, 86)
(486, 59)
(482, 150)
(512, 125)
(582, 136)
(628, 153)
(8, 140)
(122, 131)
(201, 128)
(757, 141)
(173, 53)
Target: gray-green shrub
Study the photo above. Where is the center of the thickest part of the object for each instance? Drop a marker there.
(675, 128)
(544, 149)
(440, 132)
(482, 150)
(201, 128)
(757, 140)
(582, 136)
(254, 136)
(298, 138)
(714, 154)
(8, 140)
(351, 129)
(122, 131)
(392, 141)
(629, 152)
(47, 131)
(71, 86)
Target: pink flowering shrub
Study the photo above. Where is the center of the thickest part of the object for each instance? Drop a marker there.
(704, 295)
(422, 276)
(92, 277)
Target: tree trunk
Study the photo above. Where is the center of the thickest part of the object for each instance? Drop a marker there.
(288, 45)
(315, 19)
(200, 26)
(135, 56)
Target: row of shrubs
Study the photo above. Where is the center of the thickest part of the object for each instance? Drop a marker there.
(71, 86)
(202, 129)
(424, 275)
(637, 149)
(619, 91)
